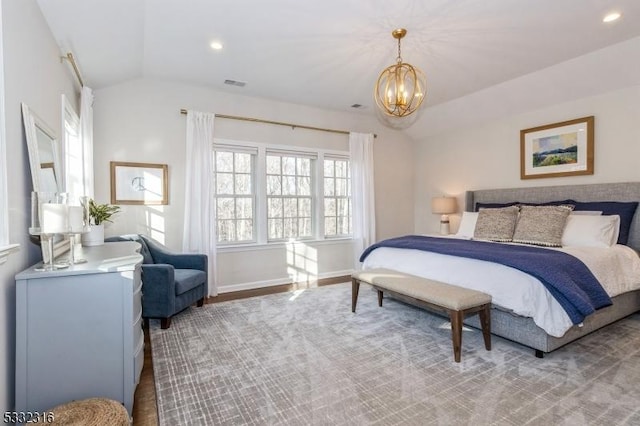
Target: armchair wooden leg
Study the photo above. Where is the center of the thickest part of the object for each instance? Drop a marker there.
(165, 323)
(200, 303)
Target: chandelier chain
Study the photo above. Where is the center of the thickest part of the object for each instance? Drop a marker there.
(399, 58)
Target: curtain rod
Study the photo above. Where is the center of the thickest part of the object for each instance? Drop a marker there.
(72, 60)
(279, 123)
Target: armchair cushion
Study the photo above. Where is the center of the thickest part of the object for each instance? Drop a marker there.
(187, 279)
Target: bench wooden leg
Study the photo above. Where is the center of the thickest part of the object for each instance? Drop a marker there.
(456, 333)
(485, 321)
(355, 286)
(380, 294)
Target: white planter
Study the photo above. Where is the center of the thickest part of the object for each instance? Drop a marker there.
(94, 237)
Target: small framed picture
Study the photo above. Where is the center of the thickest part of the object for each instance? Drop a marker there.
(139, 183)
(558, 149)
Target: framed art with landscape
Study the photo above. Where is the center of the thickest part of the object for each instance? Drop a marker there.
(558, 149)
(139, 183)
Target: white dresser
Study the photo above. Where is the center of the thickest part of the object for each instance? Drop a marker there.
(79, 330)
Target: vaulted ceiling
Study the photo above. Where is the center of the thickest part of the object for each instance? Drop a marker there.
(328, 53)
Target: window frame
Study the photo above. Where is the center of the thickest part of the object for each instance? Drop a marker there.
(312, 157)
(69, 114)
(5, 247)
(236, 149)
(347, 197)
(260, 186)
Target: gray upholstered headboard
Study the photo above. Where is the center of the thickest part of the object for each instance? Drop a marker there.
(626, 191)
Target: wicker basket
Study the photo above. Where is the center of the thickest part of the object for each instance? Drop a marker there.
(90, 412)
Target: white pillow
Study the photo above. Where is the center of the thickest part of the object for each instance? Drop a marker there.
(467, 225)
(591, 231)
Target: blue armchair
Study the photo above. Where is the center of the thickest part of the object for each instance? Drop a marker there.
(171, 282)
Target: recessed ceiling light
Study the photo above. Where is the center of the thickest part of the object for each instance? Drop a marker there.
(216, 45)
(613, 16)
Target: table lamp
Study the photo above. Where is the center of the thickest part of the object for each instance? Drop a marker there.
(444, 206)
(53, 220)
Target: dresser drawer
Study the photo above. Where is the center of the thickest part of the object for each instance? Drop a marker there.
(138, 362)
(137, 279)
(138, 334)
(137, 305)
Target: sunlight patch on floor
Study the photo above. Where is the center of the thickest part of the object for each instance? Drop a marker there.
(296, 293)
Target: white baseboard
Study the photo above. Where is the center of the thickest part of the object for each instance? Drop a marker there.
(279, 281)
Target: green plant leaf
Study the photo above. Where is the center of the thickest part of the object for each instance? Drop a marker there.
(100, 213)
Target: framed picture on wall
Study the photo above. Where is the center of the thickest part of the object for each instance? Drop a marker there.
(558, 149)
(139, 183)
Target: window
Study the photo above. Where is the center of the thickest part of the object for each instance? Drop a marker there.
(4, 194)
(337, 197)
(74, 168)
(235, 195)
(272, 193)
(288, 197)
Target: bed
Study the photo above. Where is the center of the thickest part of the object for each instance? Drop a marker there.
(523, 329)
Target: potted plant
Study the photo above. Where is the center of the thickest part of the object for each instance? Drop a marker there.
(98, 215)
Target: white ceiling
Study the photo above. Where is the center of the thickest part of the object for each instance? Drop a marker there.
(328, 53)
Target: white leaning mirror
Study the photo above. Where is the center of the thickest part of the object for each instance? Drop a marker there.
(44, 153)
(44, 161)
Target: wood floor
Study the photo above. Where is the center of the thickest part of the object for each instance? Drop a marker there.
(145, 410)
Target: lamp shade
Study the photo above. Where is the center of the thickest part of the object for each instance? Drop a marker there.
(54, 218)
(444, 205)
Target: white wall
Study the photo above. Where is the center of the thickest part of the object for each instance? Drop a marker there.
(488, 155)
(33, 75)
(140, 121)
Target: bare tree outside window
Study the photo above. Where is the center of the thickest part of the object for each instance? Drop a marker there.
(289, 197)
(235, 196)
(337, 197)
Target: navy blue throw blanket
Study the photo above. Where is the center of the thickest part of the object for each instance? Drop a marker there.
(566, 277)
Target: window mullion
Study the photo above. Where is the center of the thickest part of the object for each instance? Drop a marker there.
(319, 195)
(261, 196)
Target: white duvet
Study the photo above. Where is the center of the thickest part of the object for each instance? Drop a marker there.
(617, 268)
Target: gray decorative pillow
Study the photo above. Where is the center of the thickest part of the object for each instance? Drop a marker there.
(541, 225)
(496, 224)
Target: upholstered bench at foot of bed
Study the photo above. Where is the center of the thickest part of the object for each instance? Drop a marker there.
(456, 301)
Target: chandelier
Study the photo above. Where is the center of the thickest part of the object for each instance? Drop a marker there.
(401, 88)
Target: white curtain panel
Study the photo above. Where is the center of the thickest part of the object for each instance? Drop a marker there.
(362, 193)
(199, 234)
(86, 136)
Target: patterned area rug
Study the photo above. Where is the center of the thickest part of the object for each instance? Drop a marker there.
(303, 358)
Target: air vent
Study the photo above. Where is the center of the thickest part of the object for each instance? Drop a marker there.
(235, 83)
(357, 106)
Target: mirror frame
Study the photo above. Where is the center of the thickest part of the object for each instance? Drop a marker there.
(31, 124)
